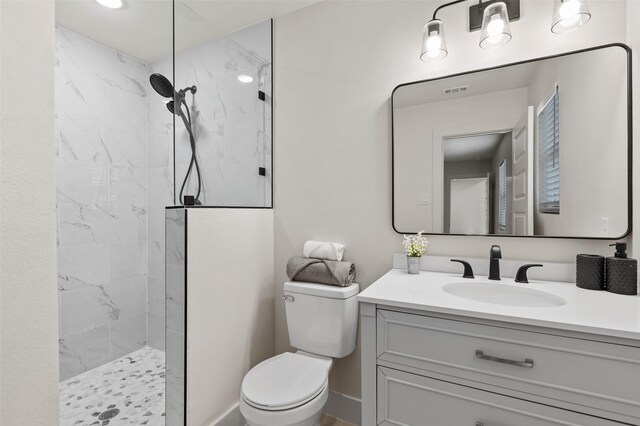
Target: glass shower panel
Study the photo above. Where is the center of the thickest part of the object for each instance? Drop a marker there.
(227, 122)
(112, 187)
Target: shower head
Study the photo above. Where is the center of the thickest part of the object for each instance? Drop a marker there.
(171, 107)
(162, 85)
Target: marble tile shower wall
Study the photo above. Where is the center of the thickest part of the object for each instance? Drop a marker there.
(176, 224)
(159, 195)
(102, 203)
(115, 178)
(233, 126)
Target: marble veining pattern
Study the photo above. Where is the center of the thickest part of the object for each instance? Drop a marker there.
(232, 126)
(132, 384)
(175, 314)
(102, 189)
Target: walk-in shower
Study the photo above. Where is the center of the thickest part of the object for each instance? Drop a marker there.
(122, 161)
(164, 88)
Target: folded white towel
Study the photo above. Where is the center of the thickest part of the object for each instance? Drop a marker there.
(322, 250)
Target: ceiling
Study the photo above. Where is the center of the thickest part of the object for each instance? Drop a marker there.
(472, 148)
(143, 28)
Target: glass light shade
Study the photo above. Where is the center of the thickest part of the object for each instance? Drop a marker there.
(495, 26)
(434, 46)
(569, 15)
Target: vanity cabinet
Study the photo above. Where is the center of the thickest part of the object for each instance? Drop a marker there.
(423, 369)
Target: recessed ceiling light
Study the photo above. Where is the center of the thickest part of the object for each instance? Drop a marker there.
(243, 78)
(111, 4)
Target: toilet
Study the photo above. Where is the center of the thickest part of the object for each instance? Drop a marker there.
(291, 389)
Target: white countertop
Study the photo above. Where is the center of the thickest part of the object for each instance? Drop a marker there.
(589, 311)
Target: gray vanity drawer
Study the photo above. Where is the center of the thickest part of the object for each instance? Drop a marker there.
(591, 374)
(412, 400)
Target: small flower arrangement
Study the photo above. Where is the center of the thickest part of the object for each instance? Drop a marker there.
(415, 245)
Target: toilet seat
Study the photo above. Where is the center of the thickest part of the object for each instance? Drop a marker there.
(285, 381)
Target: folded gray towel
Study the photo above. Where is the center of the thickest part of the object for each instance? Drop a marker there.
(321, 271)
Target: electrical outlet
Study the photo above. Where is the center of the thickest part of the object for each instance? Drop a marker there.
(423, 199)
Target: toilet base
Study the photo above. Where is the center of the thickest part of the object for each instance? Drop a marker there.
(307, 414)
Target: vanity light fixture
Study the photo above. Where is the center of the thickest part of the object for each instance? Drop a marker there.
(111, 4)
(569, 15)
(492, 16)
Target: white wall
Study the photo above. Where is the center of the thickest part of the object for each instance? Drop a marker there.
(336, 65)
(633, 40)
(416, 135)
(230, 305)
(28, 300)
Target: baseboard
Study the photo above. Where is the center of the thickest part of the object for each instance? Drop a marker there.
(344, 407)
(229, 417)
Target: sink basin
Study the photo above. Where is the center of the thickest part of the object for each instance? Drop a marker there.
(503, 294)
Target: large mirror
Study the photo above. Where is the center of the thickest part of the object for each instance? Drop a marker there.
(539, 148)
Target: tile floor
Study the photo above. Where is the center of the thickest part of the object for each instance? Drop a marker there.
(133, 384)
(330, 421)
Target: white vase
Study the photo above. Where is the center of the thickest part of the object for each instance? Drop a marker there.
(413, 264)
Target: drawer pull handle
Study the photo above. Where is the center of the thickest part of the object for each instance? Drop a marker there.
(527, 363)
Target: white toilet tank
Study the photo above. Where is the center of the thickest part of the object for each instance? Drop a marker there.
(322, 319)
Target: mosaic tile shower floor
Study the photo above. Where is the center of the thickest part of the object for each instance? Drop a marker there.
(133, 384)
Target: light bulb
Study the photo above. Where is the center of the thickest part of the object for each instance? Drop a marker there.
(569, 15)
(495, 29)
(569, 9)
(434, 44)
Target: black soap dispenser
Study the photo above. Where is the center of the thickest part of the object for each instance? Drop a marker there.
(622, 272)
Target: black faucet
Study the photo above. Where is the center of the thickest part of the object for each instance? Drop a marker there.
(521, 275)
(494, 263)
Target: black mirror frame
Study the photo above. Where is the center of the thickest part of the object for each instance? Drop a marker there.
(629, 145)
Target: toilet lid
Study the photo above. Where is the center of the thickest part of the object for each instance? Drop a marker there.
(284, 381)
